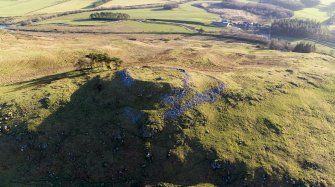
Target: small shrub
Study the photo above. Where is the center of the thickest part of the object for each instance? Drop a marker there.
(304, 47)
(25, 23)
(37, 19)
(201, 30)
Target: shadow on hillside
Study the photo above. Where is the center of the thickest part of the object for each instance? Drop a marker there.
(97, 139)
(47, 79)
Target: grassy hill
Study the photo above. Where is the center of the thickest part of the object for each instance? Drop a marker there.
(186, 108)
(181, 111)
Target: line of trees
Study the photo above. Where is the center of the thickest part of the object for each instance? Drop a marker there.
(109, 16)
(296, 28)
(262, 9)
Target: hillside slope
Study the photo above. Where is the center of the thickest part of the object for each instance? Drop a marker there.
(182, 111)
(161, 125)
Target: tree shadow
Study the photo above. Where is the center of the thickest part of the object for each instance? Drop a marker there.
(46, 80)
(159, 9)
(98, 138)
(96, 20)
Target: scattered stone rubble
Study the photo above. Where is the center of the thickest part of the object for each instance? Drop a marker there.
(126, 78)
(170, 99)
(208, 96)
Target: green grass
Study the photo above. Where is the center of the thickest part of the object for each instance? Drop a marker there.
(32, 7)
(23, 7)
(319, 13)
(68, 5)
(133, 26)
(275, 115)
(114, 27)
(133, 2)
(312, 13)
(320, 48)
(186, 12)
(262, 122)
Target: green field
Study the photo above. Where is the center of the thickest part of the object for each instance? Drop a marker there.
(24, 7)
(68, 5)
(29, 7)
(186, 12)
(115, 27)
(319, 13)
